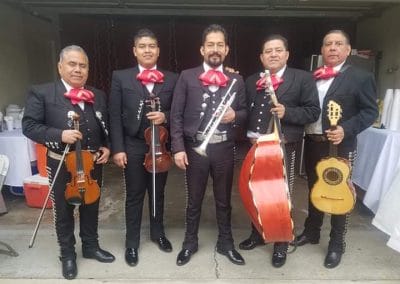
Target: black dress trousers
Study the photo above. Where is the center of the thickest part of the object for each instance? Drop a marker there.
(313, 152)
(138, 182)
(219, 165)
(64, 212)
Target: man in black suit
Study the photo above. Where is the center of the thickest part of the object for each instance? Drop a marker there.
(298, 104)
(131, 91)
(47, 121)
(354, 90)
(196, 98)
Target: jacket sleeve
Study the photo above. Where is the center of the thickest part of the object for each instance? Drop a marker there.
(177, 113)
(241, 105)
(367, 106)
(34, 120)
(115, 115)
(307, 109)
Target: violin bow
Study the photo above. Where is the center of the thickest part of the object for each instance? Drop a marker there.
(39, 220)
(153, 157)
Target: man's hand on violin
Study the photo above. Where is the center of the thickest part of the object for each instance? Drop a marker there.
(229, 116)
(157, 117)
(102, 155)
(120, 159)
(181, 160)
(70, 136)
(279, 109)
(335, 136)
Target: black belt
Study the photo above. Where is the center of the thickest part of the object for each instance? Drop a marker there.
(317, 137)
(214, 139)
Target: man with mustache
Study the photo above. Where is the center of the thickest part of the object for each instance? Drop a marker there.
(46, 121)
(298, 104)
(355, 91)
(197, 95)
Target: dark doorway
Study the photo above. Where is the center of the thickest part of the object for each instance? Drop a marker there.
(108, 40)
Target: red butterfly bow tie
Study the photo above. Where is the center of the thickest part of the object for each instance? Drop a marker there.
(262, 82)
(214, 77)
(150, 76)
(325, 73)
(80, 95)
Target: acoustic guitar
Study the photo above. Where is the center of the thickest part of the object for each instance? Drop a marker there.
(333, 192)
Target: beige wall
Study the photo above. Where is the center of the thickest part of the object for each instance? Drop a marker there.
(25, 54)
(383, 34)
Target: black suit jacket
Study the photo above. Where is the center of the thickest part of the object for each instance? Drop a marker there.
(127, 102)
(299, 95)
(45, 115)
(186, 105)
(355, 91)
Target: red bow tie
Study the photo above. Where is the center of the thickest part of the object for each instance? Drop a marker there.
(262, 82)
(79, 95)
(325, 73)
(214, 77)
(150, 76)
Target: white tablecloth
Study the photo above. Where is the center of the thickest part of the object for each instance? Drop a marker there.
(387, 215)
(21, 152)
(376, 165)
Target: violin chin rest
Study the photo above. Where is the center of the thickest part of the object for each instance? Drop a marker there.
(74, 201)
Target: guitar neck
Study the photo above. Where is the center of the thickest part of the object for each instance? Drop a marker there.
(333, 149)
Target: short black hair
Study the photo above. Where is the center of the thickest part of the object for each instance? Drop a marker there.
(144, 33)
(276, 37)
(213, 29)
(342, 32)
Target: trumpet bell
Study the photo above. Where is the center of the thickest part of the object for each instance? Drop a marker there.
(200, 150)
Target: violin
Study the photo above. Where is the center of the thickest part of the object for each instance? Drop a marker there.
(82, 189)
(157, 159)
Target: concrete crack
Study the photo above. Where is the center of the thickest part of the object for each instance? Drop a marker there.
(217, 273)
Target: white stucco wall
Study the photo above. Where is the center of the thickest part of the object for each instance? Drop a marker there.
(25, 54)
(14, 71)
(383, 34)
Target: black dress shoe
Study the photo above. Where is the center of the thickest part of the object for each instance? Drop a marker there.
(278, 259)
(69, 269)
(163, 244)
(131, 256)
(233, 255)
(99, 255)
(249, 244)
(332, 259)
(184, 257)
(302, 239)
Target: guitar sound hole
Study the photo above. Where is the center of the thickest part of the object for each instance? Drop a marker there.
(332, 176)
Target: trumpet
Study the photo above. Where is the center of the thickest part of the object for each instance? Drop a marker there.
(215, 120)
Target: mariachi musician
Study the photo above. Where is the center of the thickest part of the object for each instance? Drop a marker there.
(355, 91)
(46, 121)
(131, 91)
(298, 104)
(198, 93)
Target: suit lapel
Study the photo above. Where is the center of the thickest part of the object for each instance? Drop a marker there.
(288, 79)
(337, 81)
(198, 72)
(60, 90)
(136, 84)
